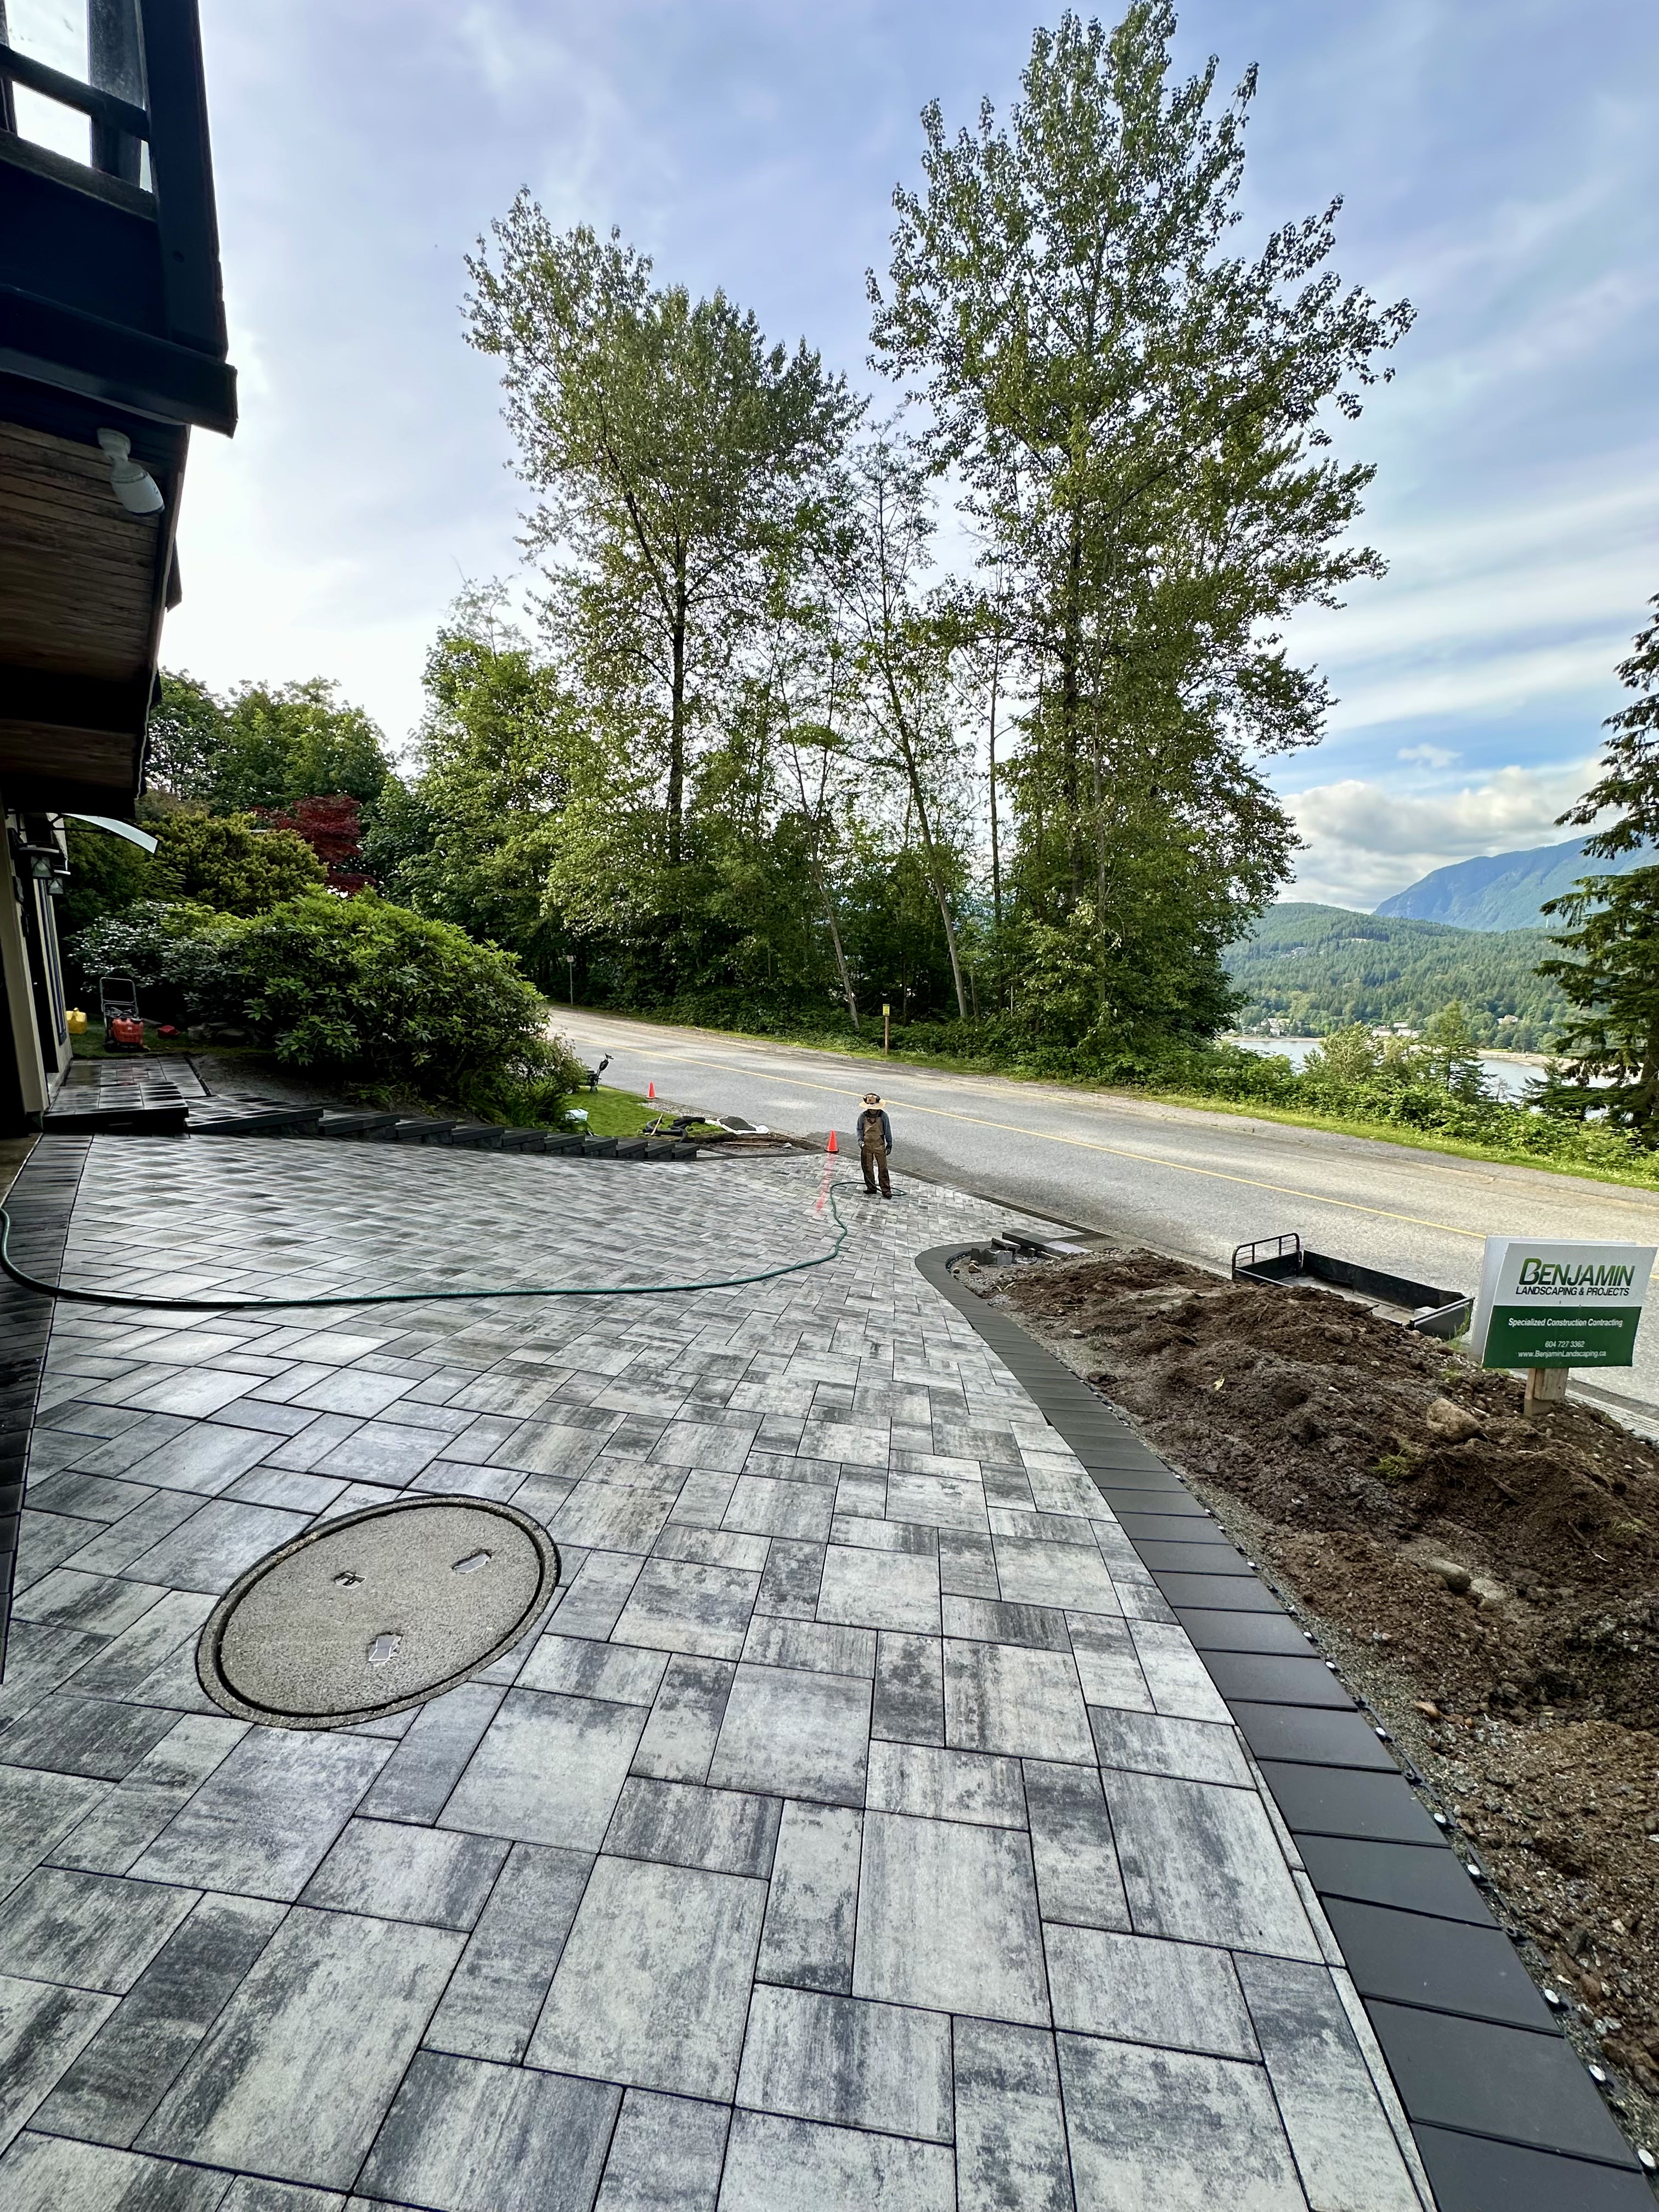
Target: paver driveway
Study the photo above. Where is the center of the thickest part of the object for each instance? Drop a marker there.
(859, 1831)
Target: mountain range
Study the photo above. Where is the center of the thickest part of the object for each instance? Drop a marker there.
(1503, 890)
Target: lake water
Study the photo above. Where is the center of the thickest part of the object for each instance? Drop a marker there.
(1506, 1074)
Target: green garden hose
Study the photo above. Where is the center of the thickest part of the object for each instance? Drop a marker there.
(404, 1298)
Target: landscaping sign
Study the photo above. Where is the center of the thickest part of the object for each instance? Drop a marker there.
(1547, 1305)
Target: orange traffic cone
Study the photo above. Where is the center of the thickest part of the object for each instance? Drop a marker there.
(650, 1090)
(834, 1146)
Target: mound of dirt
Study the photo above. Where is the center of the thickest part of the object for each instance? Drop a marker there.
(1489, 1582)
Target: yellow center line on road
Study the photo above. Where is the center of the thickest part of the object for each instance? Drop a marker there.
(1117, 1152)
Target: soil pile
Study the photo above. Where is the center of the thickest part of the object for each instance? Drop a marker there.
(1490, 1583)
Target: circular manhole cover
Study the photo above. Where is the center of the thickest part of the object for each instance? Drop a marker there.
(375, 1612)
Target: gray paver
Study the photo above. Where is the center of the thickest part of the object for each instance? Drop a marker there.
(1344, 2146)
(946, 1785)
(812, 1904)
(1200, 1862)
(1011, 2129)
(466, 2137)
(548, 1769)
(594, 1669)
(665, 2155)
(1182, 1996)
(415, 1783)
(790, 1733)
(653, 1989)
(679, 1606)
(219, 1543)
(333, 2000)
(90, 1931)
(43, 2030)
(948, 1918)
(44, 2173)
(831, 1649)
(91, 1736)
(265, 1818)
(880, 1589)
(684, 1726)
(852, 2064)
(774, 2165)
(121, 2077)
(1164, 2127)
(1009, 1698)
(909, 1706)
(400, 1873)
(36, 1809)
(1077, 1875)
(683, 1824)
(496, 1993)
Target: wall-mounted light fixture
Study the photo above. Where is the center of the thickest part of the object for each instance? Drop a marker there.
(132, 484)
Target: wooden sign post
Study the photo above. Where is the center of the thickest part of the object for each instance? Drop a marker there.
(1547, 1306)
(886, 1010)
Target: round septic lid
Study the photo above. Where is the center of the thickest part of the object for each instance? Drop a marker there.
(375, 1612)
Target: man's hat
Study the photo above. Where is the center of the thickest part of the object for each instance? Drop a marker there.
(871, 1098)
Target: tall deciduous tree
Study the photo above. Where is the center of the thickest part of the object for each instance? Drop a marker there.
(267, 745)
(1139, 417)
(500, 753)
(903, 645)
(670, 446)
(1612, 931)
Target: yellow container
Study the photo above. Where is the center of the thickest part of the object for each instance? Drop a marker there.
(76, 1021)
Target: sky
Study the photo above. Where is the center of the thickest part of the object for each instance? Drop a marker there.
(1499, 160)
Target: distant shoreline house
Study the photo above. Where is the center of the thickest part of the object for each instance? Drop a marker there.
(112, 348)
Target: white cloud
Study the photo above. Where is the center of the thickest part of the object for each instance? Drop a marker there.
(1364, 842)
(1428, 756)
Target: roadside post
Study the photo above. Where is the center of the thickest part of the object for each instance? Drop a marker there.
(886, 1010)
(1547, 1305)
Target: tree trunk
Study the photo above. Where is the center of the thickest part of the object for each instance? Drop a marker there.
(936, 878)
(676, 716)
(996, 850)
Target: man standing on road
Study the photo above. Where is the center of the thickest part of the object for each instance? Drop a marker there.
(875, 1142)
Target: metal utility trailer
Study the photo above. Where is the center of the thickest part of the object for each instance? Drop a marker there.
(1287, 1260)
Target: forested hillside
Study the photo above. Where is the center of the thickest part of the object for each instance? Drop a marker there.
(1317, 967)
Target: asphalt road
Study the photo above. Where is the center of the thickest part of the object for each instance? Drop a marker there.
(1185, 1182)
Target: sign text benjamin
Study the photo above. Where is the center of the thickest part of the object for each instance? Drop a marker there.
(1548, 1304)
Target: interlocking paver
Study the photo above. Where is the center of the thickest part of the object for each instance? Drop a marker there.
(654, 1985)
(1011, 2129)
(548, 1769)
(948, 1918)
(783, 1865)
(855, 2064)
(795, 1733)
(294, 2077)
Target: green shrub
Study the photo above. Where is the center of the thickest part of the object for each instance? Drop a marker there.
(182, 957)
(357, 990)
(226, 862)
(363, 989)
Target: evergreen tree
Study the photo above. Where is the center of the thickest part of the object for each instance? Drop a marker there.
(1610, 1044)
(1450, 1051)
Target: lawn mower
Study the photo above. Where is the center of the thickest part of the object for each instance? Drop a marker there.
(123, 1026)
